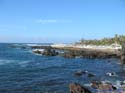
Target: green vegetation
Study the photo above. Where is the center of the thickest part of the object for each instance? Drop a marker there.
(120, 39)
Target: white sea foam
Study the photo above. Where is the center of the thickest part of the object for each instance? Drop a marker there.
(5, 61)
(88, 85)
(23, 63)
(18, 62)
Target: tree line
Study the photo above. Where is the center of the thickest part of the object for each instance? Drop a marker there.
(120, 39)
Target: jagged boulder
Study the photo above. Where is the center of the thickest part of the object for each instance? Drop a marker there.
(37, 52)
(50, 52)
(77, 88)
(103, 87)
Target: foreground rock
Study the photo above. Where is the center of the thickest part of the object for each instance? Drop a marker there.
(103, 87)
(77, 88)
(99, 86)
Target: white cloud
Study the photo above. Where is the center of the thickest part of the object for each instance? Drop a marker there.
(46, 21)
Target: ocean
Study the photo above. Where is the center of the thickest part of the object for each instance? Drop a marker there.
(21, 71)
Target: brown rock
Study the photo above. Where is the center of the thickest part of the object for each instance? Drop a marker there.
(77, 88)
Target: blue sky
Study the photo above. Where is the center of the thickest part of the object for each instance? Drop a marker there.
(60, 20)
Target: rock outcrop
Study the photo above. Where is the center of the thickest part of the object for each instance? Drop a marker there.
(50, 52)
(103, 87)
(77, 88)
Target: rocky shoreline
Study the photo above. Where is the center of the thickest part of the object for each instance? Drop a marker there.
(73, 53)
(70, 52)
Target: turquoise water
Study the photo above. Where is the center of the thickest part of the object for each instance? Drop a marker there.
(21, 71)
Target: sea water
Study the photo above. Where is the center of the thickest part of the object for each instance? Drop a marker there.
(21, 71)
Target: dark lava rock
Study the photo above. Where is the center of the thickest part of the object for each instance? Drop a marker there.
(80, 73)
(37, 52)
(88, 54)
(91, 75)
(77, 88)
(50, 52)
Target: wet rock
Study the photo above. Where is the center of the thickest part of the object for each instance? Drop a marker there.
(80, 73)
(50, 52)
(95, 84)
(91, 75)
(123, 82)
(112, 74)
(77, 88)
(68, 55)
(103, 87)
(37, 52)
(89, 54)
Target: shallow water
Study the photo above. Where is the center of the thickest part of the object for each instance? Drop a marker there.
(21, 71)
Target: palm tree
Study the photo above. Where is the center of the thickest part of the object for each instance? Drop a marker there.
(116, 38)
(123, 54)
